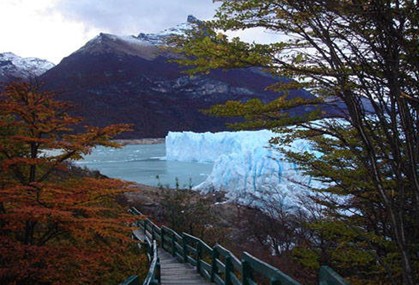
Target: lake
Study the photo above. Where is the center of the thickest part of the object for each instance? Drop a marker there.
(145, 164)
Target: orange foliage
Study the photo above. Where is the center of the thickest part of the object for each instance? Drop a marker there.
(54, 228)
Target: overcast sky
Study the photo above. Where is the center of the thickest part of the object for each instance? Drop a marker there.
(52, 29)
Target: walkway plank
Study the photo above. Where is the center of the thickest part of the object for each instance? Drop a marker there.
(175, 273)
(172, 271)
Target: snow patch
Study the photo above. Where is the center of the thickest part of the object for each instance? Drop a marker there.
(143, 39)
(12, 65)
(179, 30)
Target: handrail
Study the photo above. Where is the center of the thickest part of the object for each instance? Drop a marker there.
(274, 274)
(152, 235)
(327, 276)
(132, 280)
(151, 231)
(153, 275)
(216, 264)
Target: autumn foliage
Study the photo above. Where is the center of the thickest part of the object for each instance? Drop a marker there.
(56, 227)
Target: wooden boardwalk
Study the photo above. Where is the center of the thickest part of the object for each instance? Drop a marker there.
(224, 267)
(173, 272)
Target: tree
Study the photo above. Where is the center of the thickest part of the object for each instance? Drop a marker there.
(361, 53)
(184, 211)
(55, 226)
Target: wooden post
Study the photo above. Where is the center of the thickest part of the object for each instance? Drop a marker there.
(185, 249)
(162, 237)
(246, 273)
(198, 256)
(228, 270)
(145, 227)
(173, 244)
(158, 271)
(214, 264)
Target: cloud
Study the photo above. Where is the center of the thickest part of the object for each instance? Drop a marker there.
(133, 16)
(52, 29)
(33, 29)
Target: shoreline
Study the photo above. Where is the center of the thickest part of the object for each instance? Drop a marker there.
(140, 141)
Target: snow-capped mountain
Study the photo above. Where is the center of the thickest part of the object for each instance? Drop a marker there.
(14, 67)
(144, 45)
(130, 79)
(161, 38)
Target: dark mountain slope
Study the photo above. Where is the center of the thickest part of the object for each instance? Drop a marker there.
(116, 79)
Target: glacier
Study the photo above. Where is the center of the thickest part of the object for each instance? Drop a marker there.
(245, 167)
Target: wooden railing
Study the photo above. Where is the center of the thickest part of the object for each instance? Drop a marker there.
(216, 264)
(327, 276)
(153, 275)
(132, 280)
(150, 242)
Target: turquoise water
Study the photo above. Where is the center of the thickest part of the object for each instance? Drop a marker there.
(145, 164)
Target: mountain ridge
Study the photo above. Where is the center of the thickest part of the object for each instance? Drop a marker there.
(13, 67)
(131, 79)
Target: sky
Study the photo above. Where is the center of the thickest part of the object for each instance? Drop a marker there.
(53, 29)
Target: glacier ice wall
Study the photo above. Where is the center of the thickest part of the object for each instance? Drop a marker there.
(207, 147)
(245, 167)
